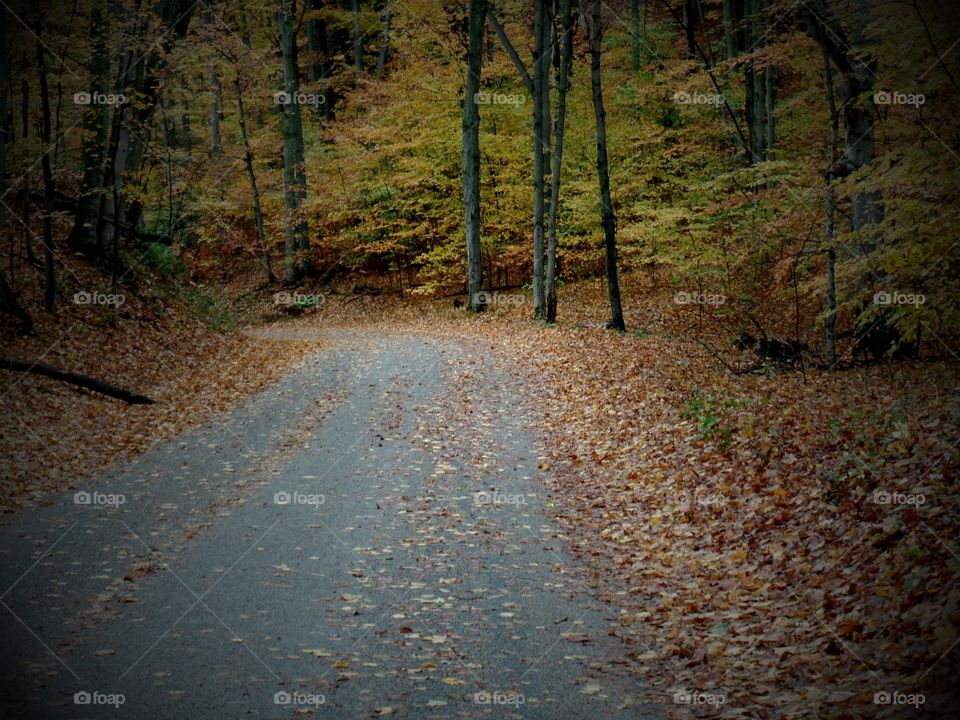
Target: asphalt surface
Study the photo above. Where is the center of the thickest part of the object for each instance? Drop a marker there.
(350, 543)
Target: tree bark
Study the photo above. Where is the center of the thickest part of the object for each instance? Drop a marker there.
(857, 67)
(94, 142)
(385, 41)
(607, 217)
(830, 321)
(214, 81)
(50, 280)
(729, 21)
(541, 147)
(248, 159)
(290, 87)
(471, 155)
(99, 386)
(357, 41)
(566, 58)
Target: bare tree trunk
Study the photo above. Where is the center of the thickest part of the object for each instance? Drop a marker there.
(566, 57)
(248, 158)
(541, 146)
(608, 219)
(635, 31)
(830, 321)
(214, 81)
(94, 142)
(857, 67)
(729, 20)
(291, 87)
(357, 41)
(385, 42)
(471, 156)
(50, 280)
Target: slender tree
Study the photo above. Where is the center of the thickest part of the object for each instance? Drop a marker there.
(471, 155)
(563, 85)
(385, 38)
(50, 280)
(293, 172)
(607, 218)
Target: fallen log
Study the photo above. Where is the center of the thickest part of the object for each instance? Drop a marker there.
(38, 368)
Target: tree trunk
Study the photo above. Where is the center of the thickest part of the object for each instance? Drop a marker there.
(541, 146)
(755, 84)
(729, 20)
(566, 57)
(856, 62)
(50, 280)
(385, 42)
(248, 159)
(291, 125)
(357, 41)
(607, 217)
(635, 31)
(830, 321)
(214, 81)
(94, 141)
(25, 108)
(104, 388)
(471, 156)
(770, 98)
(690, 26)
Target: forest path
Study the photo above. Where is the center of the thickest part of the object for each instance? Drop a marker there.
(385, 585)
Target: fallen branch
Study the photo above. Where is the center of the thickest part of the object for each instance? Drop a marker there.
(131, 398)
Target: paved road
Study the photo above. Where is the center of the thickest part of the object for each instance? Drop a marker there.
(352, 543)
